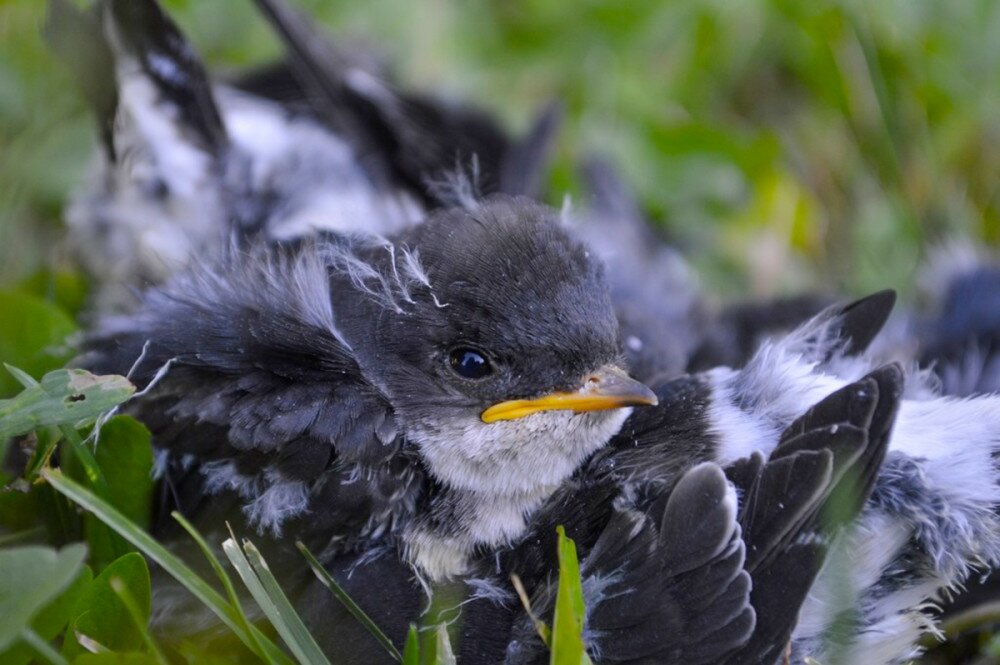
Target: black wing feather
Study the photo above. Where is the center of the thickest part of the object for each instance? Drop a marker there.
(790, 515)
(418, 139)
(143, 30)
(862, 319)
(247, 375)
(685, 597)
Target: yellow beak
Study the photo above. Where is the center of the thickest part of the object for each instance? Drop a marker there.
(608, 388)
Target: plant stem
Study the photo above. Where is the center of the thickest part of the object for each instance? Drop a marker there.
(42, 648)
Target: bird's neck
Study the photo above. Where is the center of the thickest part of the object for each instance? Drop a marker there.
(457, 522)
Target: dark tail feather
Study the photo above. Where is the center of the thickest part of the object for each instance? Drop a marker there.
(140, 29)
(416, 139)
(318, 69)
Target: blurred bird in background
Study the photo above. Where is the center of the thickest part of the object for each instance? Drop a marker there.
(352, 326)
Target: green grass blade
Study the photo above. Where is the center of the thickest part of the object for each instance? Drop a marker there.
(86, 458)
(227, 583)
(348, 602)
(411, 651)
(21, 376)
(287, 614)
(166, 560)
(31, 534)
(42, 648)
(252, 569)
(567, 623)
(544, 632)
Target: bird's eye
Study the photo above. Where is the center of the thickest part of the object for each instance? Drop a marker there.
(469, 363)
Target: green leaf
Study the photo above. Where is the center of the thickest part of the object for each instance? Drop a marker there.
(103, 617)
(411, 651)
(30, 578)
(104, 546)
(140, 618)
(265, 589)
(567, 624)
(345, 599)
(50, 620)
(33, 336)
(72, 397)
(125, 455)
(165, 559)
(119, 471)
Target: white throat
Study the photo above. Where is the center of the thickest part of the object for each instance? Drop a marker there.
(498, 475)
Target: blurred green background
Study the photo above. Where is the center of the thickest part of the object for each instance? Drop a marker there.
(784, 145)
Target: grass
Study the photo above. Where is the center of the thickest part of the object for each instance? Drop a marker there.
(783, 145)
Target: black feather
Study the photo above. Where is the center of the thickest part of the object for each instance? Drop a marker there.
(816, 480)
(145, 32)
(862, 319)
(416, 139)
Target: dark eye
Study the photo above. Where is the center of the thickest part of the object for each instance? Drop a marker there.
(469, 363)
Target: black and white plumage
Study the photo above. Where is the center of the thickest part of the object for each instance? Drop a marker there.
(930, 522)
(695, 567)
(301, 377)
(288, 372)
(416, 140)
(189, 164)
(932, 517)
(919, 534)
(957, 336)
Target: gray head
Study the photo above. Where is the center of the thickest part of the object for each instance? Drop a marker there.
(503, 361)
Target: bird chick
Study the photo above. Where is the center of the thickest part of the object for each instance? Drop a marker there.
(460, 370)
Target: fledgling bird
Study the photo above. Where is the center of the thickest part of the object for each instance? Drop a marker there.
(322, 387)
(698, 564)
(433, 395)
(931, 520)
(458, 372)
(189, 164)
